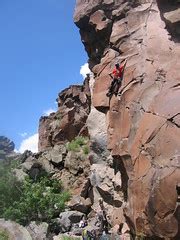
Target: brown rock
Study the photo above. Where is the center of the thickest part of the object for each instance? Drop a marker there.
(100, 20)
(143, 123)
(14, 230)
(6, 147)
(70, 119)
(80, 204)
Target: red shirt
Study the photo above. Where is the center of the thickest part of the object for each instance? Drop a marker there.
(117, 72)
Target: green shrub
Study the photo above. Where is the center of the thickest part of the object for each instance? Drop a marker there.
(40, 201)
(78, 143)
(10, 188)
(4, 235)
(80, 140)
(85, 149)
(73, 146)
(29, 200)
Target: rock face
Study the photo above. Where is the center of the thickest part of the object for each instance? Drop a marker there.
(14, 231)
(37, 231)
(69, 121)
(6, 147)
(70, 166)
(96, 123)
(143, 124)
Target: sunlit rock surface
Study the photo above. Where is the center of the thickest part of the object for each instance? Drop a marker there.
(143, 124)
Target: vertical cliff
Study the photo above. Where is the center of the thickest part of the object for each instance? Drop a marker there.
(143, 124)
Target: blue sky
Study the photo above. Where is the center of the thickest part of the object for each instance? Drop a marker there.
(40, 54)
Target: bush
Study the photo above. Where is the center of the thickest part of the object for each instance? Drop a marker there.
(4, 235)
(10, 188)
(85, 149)
(78, 143)
(29, 201)
(40, 201)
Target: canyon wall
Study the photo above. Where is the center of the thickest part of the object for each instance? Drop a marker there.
(143, 124)
(69, 120)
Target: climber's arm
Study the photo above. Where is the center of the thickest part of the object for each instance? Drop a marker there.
(123, 64)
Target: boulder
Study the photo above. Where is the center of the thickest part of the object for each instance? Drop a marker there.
(20, 174)
(66, 219)
(38, 231)
(80, 204)
(102, 178)
(14, 230)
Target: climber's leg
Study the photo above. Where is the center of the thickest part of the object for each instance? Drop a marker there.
(111, 88)
(117, 87)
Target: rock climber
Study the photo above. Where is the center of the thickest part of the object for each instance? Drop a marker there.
(117, 76)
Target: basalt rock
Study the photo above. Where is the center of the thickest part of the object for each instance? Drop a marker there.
(80, 204)
(143, 124)
(96, 123)
(70, 119)
(66, 219)
(14, 230)
(6, 147)
(38, 231)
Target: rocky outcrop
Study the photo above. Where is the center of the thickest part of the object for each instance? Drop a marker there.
(6, 147)
(143, 123)
(70, 119)
(96, 124)
(14, 231)
(38, 231)
(72, 167)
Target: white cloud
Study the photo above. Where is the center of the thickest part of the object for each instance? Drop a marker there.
(30, 143)
(24, 134)
(49, 111)
(84, 70)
